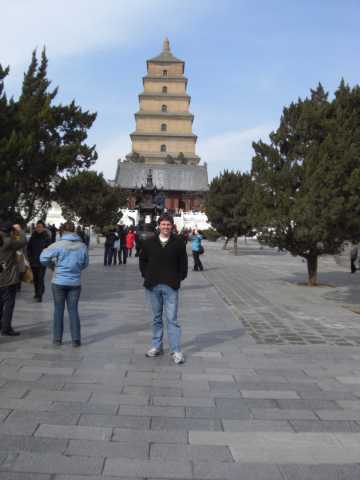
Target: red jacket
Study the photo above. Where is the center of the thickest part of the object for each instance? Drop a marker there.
(130, 239)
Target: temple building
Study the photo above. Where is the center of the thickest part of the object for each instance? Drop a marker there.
(163, 163)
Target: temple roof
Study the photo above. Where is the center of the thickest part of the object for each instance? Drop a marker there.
(186, 178)
(165, 56)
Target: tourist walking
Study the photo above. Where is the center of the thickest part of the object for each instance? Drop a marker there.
(197, 249)
(130, 240)
(163, 264)
(12, 238)
(353, 258)
(39, 240)
(123, 251)
(68, 257)
(110, 239)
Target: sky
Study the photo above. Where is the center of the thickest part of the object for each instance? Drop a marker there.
(245, 61)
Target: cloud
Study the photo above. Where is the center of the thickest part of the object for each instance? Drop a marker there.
(71, 27)
(231, 150)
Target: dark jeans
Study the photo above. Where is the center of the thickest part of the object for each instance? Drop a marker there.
(353, 265)
(114, 256)
(7, 304)
(197, 262)
(39, 276)
(108, 255)
(70, 295)
(129, 251)
(123, 254)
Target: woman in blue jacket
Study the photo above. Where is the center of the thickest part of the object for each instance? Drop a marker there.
(68, 257)
(197, 249)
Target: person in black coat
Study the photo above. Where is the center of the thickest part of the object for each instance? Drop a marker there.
(39, 240)
(163, 264)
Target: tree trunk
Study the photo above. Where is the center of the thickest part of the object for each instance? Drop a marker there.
(226, 243)
(235, 244)
(312, 266)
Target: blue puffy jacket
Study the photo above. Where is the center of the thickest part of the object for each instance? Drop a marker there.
(68, 257)
(196, 242)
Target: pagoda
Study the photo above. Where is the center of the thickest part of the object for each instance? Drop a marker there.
(163, 143)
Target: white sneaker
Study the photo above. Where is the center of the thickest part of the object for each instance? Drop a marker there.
(178, 357)
(154, 352)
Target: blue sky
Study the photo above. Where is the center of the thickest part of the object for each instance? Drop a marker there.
(245, 60)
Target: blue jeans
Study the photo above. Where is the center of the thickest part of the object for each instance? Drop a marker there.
(70, 295)
(164, 299)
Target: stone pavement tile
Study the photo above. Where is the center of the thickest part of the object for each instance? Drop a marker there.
(47, 370)
(84, 408)
(349, 404)
(166, 392)
(235, 403)
(195, 453)
(148, 469)
(53, 463)
(149, 436)
(283, 414)
(4, 413)
(53, 418)
(223, 387)
(275, 386)
(94, 448)
(40, 384)
(58, 396)
(231, 471)
(208, 377)
(338, 414)
(290, 394)
(115, 398)
(183, 401)
(257, 426)
(74, 432)
(349, 379)
(25, 404)
(320, 472)
(23, 476)
(13, 391)
(152, 411)
(154, 383)
(17, 443)
(18, 428)
(324, 426)
(157, 375)
(328, 395)
(166, 423)
(309, 404)
(122, 421)
(3, 455)
(86, 477)
(93, 387)
(236, 412)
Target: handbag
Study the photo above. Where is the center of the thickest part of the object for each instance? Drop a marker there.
(202, 250)
(26, 274)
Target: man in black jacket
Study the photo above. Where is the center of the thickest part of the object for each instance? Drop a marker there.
(39, 240)
(163, 265)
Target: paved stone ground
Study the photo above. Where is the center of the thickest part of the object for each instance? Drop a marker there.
(270, 389)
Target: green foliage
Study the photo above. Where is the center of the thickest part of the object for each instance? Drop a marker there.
(38, 141)
(210, 234)
(228, 204)
(88, 198)
(307, 179)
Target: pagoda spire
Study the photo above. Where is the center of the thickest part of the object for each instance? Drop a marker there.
(166, 45)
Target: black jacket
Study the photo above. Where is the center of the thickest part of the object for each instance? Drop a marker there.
(37, 243)
(158, 264)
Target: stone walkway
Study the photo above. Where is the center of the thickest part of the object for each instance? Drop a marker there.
(270, 389)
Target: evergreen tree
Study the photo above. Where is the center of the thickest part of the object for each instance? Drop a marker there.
(40, 141)
(307, 188)
(89, 199)
(228, 204)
